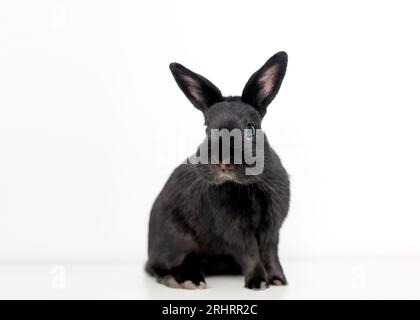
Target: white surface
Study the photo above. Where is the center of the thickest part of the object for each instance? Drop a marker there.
(309, 279)
(92, 124)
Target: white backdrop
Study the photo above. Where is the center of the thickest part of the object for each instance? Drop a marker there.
(92, 123)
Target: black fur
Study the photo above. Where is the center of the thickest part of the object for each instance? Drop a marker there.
(199, 226)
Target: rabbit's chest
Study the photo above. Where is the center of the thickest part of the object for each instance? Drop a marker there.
(234, 213)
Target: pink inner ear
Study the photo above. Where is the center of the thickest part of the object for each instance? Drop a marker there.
(193, 87)
(268, 81)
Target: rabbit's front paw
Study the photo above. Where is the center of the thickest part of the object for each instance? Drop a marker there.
(184, 279)
(256, 283)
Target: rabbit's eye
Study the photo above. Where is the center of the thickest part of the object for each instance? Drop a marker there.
(250, 130)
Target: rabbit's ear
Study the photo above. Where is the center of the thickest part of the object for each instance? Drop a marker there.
(200, 91)
(264, 84)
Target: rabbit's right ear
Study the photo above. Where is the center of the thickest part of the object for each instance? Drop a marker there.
(200, 91)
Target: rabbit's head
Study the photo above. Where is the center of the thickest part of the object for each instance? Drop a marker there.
(237, 117)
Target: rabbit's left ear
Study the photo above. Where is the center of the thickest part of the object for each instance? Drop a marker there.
(264, 84)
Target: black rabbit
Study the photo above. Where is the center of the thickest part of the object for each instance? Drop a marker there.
(214, 218)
